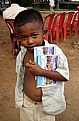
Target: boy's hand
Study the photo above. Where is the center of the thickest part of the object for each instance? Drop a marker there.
(34, 68)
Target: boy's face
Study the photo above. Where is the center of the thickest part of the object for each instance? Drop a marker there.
(30, 35)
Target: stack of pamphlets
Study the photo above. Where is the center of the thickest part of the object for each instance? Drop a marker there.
(46, 58)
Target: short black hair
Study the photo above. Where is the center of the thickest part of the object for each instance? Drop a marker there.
(28, 16)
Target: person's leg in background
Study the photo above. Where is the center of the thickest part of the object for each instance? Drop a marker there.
(51, 9)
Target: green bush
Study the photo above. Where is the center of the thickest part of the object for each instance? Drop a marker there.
(27, 2)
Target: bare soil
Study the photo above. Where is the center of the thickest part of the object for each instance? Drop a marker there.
(8, 112)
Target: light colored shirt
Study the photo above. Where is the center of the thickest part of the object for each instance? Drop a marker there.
(53, 96)
(51, 3)
(12, 11)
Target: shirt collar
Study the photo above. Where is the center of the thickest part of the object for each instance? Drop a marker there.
(14, 4)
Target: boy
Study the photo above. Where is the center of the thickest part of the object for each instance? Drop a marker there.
(33, 101)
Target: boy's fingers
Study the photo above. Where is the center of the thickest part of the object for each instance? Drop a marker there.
(27, 64)
(31, 62)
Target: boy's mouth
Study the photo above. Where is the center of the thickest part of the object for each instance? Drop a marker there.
(31, 48)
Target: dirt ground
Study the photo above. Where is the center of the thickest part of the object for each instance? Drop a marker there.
(8, 112)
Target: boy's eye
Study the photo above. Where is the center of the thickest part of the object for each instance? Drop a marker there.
(23, 37)
(34, 35)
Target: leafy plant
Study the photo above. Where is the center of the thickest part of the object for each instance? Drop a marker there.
(26, 2)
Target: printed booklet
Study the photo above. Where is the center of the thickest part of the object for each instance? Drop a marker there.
(46, 58)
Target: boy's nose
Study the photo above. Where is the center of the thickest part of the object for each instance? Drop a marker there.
(30, 40)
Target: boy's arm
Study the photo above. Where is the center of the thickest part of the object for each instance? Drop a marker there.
(60, 74)
(36, 70)
(52, 75)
